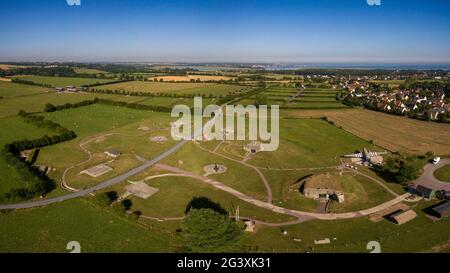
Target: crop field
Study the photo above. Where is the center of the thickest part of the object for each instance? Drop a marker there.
(294, 98)
(395, 133)
(89, 71)
(62, 81)
(307, 143)
(36, 103)
(175, 88)
(202, 78)
(9, 90)
(49, 229)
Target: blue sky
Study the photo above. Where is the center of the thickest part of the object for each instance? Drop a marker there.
(398, 31)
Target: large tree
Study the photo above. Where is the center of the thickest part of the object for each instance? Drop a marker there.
(205, 230)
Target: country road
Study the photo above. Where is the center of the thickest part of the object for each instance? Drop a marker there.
(103, 185)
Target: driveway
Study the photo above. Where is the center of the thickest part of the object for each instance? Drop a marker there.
(428, 179)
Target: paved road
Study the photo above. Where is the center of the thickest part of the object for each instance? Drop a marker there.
(103, 185)
(428, 179)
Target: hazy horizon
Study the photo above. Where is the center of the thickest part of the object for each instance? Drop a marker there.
(249, 31)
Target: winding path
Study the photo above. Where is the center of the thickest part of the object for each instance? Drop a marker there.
(269, 206)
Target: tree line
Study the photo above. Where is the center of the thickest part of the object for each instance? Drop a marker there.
(35, 181)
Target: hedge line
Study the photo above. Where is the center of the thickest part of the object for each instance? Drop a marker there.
(38, 183)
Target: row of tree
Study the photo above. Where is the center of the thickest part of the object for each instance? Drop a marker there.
(35, 181)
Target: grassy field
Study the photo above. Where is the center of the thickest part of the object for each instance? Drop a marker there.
(9, 90)
(176, 192)
(14, 128)
(62, 81)
(89, 71)
(97, 230)
(239, 177)
(188, 78)
(36, 103)
(175, 88)
(422, 235)
(309, 143)
(443, 173)
(105, 127)
(395, 133)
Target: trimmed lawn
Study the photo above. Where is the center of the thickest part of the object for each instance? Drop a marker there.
(443, 173)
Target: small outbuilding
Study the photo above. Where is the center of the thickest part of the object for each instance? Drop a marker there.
(442, 210)
(323, 187)
(403, 217)
(425, 192)
(112, 153)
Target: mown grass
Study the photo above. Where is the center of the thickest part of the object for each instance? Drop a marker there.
(49, 229)
(443, 173)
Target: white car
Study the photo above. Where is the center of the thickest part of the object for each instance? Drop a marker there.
(436, 160)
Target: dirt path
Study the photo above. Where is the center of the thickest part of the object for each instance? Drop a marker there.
(269, 206)
(261, 175)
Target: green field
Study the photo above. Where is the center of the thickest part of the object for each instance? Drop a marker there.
(238, 176)
(62, 81)
(107, 127)
(175, 88)
(36, 103)
(176, 192)
(309, 143)
(9, 90)
(422, 235)
(443, 173)
(96, 229)
(14, 128)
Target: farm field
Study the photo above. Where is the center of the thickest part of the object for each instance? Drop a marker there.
(62, 81)
(9, 90)
(36, 103)
(443, 173)
(89, 71)
(175, 88)
(49, 229)
(395, 133)
(188, 78)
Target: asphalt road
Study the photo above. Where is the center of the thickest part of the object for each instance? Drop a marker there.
(428, 179)
(103, 185)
